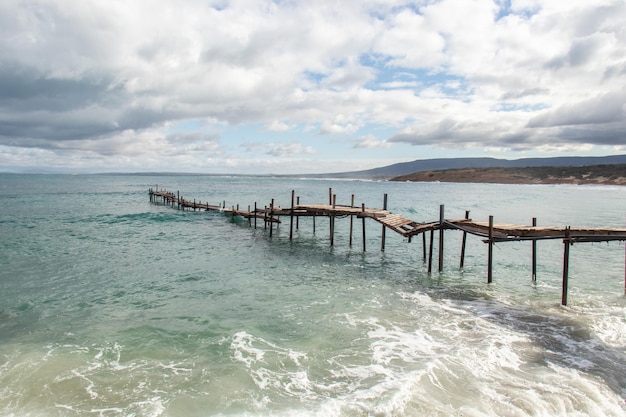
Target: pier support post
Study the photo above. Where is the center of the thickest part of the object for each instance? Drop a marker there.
(566, 244)
(255, 214)
(534, 254)
(441, 219)
(463, 242)
(383, 233)
(293, 197)
(424, 246)
(178, 199)
(271, 217)
(298, 217)
(332, 220)
(490, 252)
(430, 251)
(363, 211)
(351, 220)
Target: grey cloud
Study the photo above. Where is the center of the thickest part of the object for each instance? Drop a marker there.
(612, 135)
(602, 109)
(459, 133)
(512, 95)
(22, 88)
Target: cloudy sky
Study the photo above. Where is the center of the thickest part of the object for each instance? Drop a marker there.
(289, 86)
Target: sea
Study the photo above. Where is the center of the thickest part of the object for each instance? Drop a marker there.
(112, 305)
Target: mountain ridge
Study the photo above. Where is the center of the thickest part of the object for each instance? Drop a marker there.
(407, 168)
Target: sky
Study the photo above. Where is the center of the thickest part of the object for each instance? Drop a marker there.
(295, 87)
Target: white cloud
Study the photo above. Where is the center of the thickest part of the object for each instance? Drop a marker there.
(370, 142)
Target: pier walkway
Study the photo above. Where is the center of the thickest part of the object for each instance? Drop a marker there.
(489, 231)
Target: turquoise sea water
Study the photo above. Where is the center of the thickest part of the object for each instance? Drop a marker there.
(111, 305)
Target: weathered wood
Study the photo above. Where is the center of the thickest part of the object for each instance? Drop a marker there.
(534, 254)
(271, 215)
(463, 243)
(566, 244)
(430, 251)
(332, 220)
(297, 217)
(351, 220)
(441, 229)
(293, 196)
(490, 252)
(364, 241)
(382, 244)
(424, 246)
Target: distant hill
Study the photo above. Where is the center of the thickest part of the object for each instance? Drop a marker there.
(405, 168)
(589, 174)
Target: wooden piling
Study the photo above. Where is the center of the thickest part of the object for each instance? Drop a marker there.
(351, 220)
(430, 251)
(534, 254)
(490, 252)
(424, 246)
(293, 197)
(382, 244)
(332, 220)
(298, 217)
(463, 242)
(441, 217)
(566, 244)
(363, 210)
(271, 217)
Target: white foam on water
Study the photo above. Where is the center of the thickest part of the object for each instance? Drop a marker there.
(519, 362)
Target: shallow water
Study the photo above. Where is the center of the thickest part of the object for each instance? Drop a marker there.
(111, 305)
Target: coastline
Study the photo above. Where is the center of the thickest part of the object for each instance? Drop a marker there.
(583, 175)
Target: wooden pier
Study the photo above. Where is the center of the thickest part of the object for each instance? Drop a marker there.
(490, 232)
